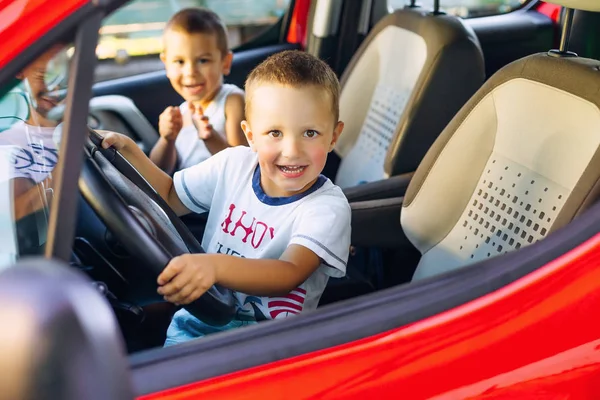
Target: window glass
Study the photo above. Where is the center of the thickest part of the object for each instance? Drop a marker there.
(30, 133)
(465, 8)
(130, 39)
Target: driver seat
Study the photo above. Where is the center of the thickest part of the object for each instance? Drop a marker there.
(521, 159)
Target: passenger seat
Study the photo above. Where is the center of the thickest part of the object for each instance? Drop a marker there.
(409, 77)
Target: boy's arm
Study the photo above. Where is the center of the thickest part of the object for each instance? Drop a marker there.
(160, 181)
(234, 136)
(320, 237)
(164, 155)
(234, 115)
(187, 277)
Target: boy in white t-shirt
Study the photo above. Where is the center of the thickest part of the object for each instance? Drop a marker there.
(277, 229)
(196, 56)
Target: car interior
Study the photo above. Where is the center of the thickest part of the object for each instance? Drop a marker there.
(470, 152)
(433, 105)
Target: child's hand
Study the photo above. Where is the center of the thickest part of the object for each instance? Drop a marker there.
(170, 123)
(205, 129)
(116, 140)
(186, 278)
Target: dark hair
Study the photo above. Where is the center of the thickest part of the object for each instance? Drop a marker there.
(295, 68)
(200, 20)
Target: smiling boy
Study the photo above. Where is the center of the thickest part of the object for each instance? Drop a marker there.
(196, 56)
(277, 228)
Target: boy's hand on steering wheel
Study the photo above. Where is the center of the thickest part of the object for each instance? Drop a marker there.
(186, 278)
(118, 141)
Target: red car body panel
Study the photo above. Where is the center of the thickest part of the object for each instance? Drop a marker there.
(25, 21)
(538, 337)
(299, 23)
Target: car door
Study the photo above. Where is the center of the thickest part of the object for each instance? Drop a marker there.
(459, 335)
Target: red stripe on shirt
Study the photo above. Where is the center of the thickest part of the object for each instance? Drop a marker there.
(287, 304)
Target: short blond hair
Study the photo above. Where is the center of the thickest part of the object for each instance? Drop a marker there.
(200, 20)
(295, 69)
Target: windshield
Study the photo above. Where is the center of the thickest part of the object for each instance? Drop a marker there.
(30, 133)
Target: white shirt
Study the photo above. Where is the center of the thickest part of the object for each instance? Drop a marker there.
(33, 149)
(191, 150)
(245, 222)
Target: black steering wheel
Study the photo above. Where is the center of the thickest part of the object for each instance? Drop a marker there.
(146, 226)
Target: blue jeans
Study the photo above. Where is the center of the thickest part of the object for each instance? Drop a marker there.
(185, 326)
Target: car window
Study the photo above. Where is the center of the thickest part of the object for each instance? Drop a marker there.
(30, 134)
(465, 8)
(130, 39)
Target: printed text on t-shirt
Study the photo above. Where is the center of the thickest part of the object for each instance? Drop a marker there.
(255, 231)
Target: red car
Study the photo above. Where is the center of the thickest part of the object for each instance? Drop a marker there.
(478, 225)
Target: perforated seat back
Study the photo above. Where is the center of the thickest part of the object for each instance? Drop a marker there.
(409, 77)
(520, 160)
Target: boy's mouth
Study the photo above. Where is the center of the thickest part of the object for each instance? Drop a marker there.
(193, 89)
(292, 171)
(48, 102)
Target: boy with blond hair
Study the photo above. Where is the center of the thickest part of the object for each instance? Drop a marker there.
(277, 228)
(196, 57)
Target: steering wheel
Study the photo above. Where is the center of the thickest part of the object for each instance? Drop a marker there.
(146, 226)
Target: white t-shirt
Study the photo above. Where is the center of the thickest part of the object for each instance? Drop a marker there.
(245, 222)
(191, 150)
(33, 149)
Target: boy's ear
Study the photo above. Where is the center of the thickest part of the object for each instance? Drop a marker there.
(227, 60)
(248, 133)
(21, 74)
(162, 56)
(337, 131)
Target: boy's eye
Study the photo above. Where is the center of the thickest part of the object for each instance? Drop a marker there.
(275, 134)
(311, 133)
(178, 62)
(204, 60)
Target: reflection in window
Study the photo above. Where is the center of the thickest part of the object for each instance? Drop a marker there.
(30, 115)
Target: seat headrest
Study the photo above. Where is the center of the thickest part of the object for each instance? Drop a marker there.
(587, 5)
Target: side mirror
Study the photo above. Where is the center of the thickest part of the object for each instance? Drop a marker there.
(60, 338)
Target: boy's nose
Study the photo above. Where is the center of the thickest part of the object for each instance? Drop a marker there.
(189, 69)
(291, 147)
